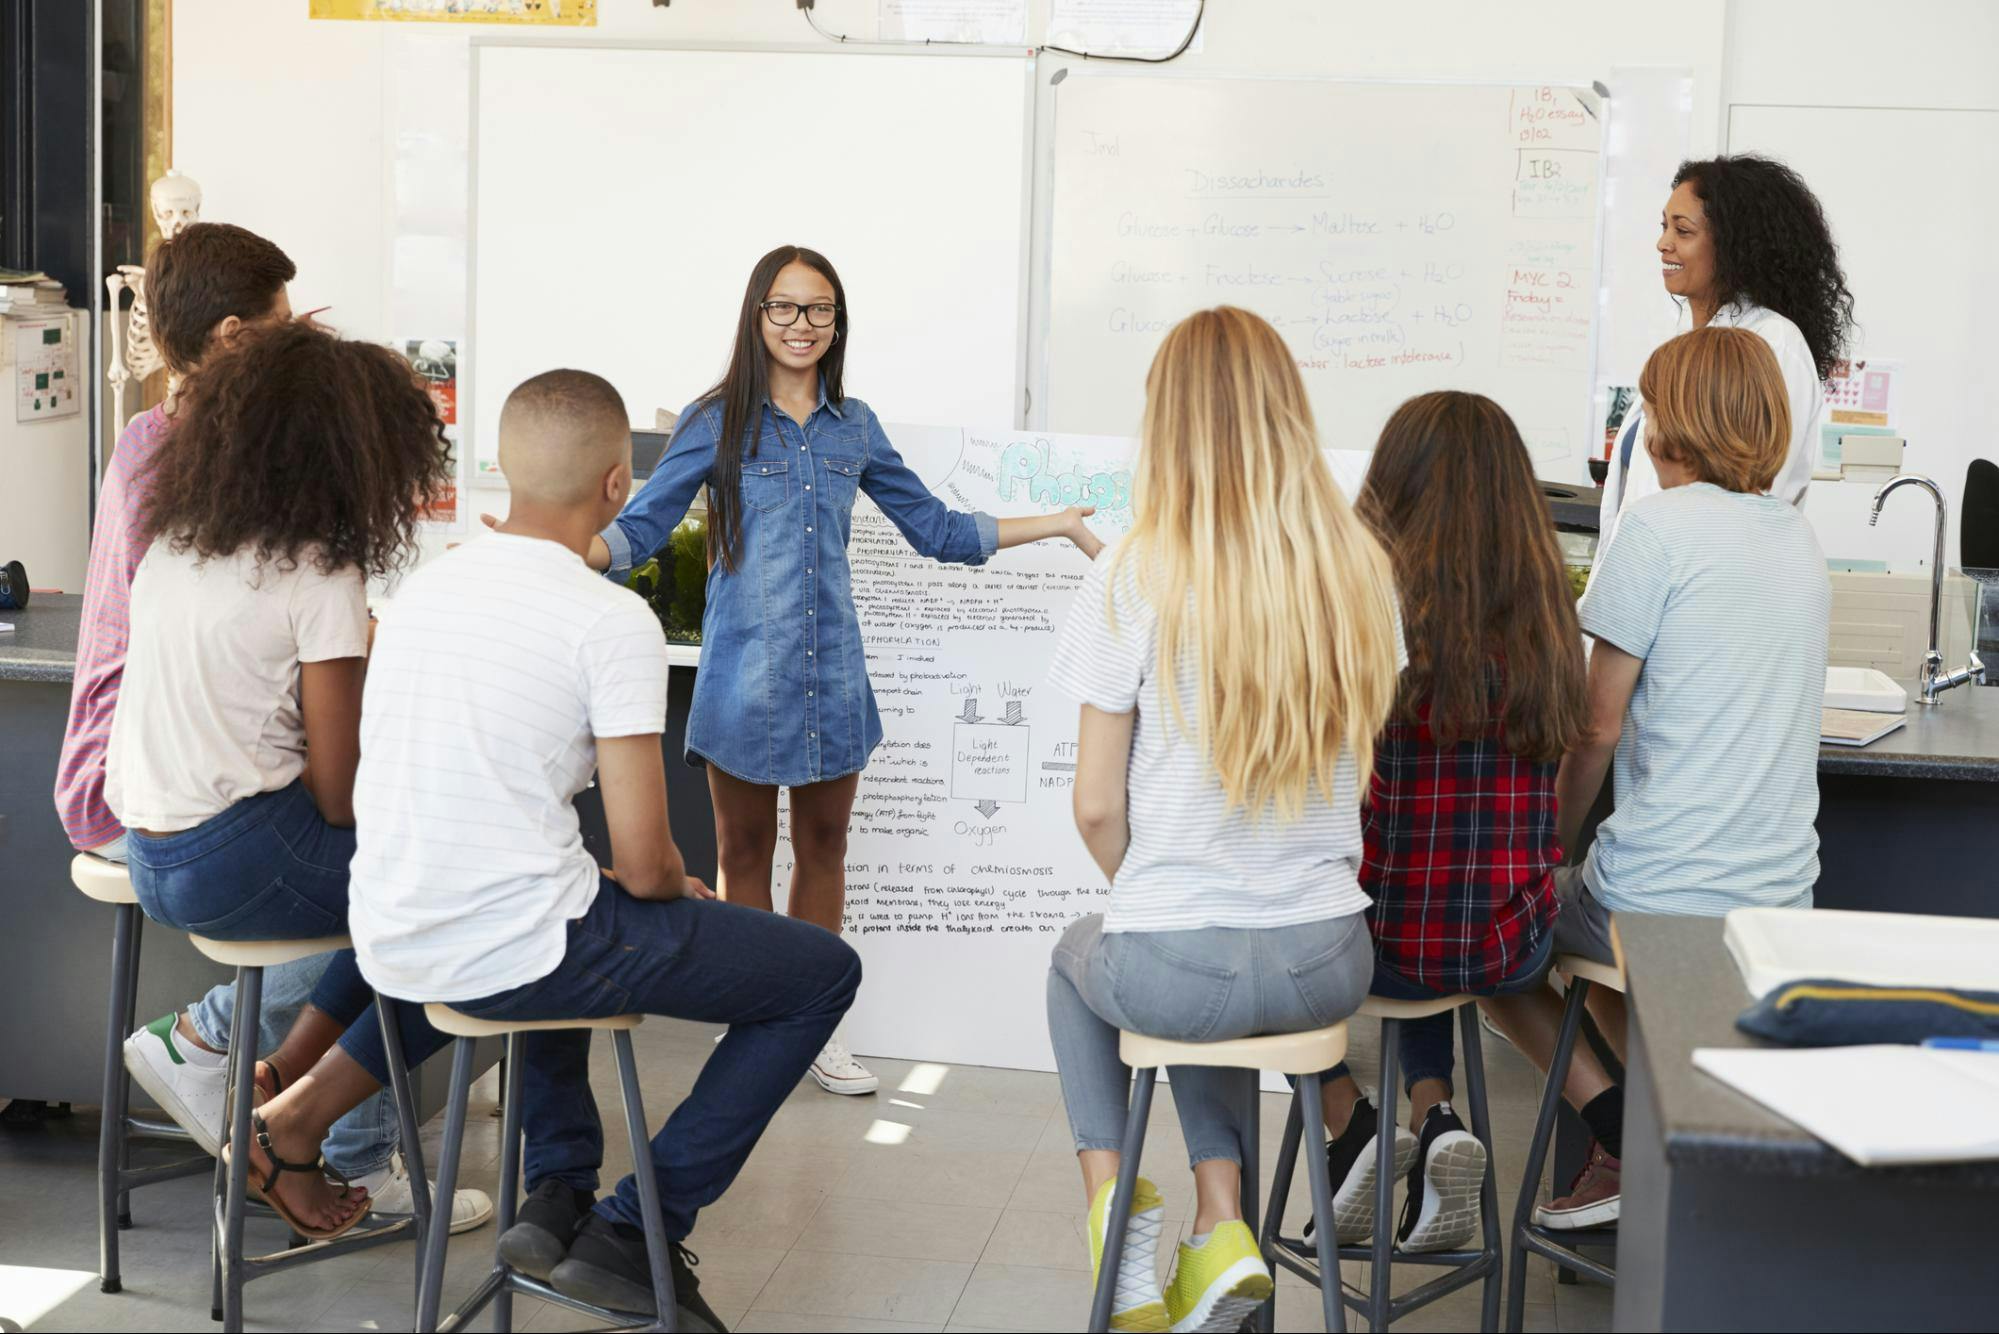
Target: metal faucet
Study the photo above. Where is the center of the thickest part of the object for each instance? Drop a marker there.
(1935, 680)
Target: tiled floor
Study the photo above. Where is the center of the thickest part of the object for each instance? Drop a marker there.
(950, 1200)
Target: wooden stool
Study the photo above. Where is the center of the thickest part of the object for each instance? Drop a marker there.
(108, 882)
(231, 1268)
(504, 1280)
(1302, 1055)
(1381, 1307)
(1581, 973)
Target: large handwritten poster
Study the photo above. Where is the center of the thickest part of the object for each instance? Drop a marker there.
(963, 860)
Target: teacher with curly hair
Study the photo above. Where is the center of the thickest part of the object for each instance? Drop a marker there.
(1743, 242)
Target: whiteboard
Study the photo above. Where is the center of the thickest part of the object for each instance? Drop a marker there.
(621, 195)
(1402, 238)
(1910, 194)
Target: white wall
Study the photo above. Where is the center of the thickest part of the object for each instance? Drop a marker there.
(1893, 117)
(290, 124)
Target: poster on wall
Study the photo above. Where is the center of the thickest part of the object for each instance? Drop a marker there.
(541, 13)
(435, 360)
(963, 864)
(991, 22)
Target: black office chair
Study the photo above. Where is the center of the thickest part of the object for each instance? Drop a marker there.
(1978, 528)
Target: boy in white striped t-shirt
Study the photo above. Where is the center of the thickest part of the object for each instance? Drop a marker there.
(504, 674)
(1710, 617)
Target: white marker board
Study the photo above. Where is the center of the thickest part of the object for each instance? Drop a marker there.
(1402, 238)
(622, 194)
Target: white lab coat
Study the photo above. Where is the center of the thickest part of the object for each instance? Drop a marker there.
(1802, 384)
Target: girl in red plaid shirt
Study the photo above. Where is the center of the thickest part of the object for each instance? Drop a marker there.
(1460, 824)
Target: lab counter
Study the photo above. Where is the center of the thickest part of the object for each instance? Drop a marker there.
(1735, 1218)
(1911, 823)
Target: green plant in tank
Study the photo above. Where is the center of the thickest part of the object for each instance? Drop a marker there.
(675, 582)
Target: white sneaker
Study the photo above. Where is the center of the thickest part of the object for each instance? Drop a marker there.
(389, 1193)
(838, 1072)
(189, 1084)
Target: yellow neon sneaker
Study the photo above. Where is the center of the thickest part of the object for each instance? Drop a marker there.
(1137, 1304)
(1217, 1285)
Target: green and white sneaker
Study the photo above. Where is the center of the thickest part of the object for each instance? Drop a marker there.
(1219, 1283)
(189, 1084)
(1137, 1303)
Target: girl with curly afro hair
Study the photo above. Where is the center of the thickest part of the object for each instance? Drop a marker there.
(299, 466)
(1743, 242)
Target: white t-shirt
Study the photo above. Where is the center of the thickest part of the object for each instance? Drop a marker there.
(209, 711)
(495, 668)
(1193, 862)
(1802, 386)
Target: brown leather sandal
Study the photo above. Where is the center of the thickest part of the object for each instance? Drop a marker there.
(262, 1190)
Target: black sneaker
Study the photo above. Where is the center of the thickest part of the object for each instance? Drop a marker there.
(1350, 1168)
(1441, 1211)
(544, 1227)
(607, 1267)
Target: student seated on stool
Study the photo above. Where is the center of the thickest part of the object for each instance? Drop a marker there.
(206, 286)
(1234, 657)
(1460, 824)
(297, 468)
(505, 674)
(1710, 619)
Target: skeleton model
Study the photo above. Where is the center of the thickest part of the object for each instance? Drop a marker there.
(176, 201)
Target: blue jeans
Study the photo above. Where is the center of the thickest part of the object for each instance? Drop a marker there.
(270, 868)
(361, 1141)
(1426, 1048)
(781, 985)
(1190, 986)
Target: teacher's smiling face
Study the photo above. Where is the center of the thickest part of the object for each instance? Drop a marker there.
(798, 317)
(1686, 245)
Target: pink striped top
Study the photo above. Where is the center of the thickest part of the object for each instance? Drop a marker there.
(115, 551)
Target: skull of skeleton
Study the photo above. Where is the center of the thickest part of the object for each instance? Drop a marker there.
(176, 202)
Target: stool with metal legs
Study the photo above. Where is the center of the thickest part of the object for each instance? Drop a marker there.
(1469, 1266)
(1303, 1055)
(108, 882)
(1558, 1245)
(503, 1280)
(232, 1269)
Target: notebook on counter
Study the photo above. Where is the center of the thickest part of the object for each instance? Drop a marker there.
(1852, 727)
(1773, 947)
(1867, 1102)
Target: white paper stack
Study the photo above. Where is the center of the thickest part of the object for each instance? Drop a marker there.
(1773, 946)
(1880, 1105)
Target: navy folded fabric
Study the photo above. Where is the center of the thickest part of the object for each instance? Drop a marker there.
(1826, 1012)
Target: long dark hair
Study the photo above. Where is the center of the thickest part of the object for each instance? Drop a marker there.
(1487, 611)
(745, 386)
(1773, 247)
(294, 441)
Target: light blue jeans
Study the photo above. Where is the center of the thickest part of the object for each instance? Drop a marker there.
(361, 1141)
(1191, 986)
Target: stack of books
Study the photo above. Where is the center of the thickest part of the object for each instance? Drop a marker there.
(30, 294)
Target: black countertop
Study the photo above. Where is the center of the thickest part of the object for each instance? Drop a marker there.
(1687, 993)
(1956, 738)
(42, 646)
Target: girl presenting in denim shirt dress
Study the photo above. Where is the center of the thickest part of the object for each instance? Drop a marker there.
(783, 699)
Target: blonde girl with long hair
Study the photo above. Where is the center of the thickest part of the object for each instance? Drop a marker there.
(1234, 657)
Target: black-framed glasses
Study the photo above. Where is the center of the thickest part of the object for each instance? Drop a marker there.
(784, 314)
